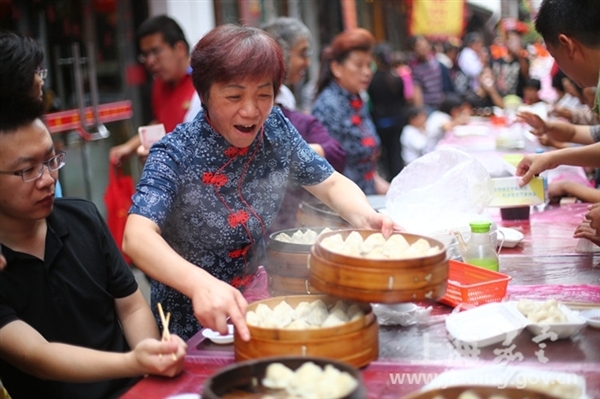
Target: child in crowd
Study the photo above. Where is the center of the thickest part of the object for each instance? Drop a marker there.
(531, 91)
(414, 136)
(568, 97)
(531, 97)
(454, 111)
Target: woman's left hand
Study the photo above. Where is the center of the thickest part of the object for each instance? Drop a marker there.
(379, 221)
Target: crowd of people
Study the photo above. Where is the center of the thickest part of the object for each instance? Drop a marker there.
(72, 320)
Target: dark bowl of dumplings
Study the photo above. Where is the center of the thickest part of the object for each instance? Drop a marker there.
(285, 376)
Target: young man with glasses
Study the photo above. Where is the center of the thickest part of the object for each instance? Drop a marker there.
(164, 51)
(73, 322)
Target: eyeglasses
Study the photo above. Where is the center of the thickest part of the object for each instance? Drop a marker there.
(145, 56)
(35, 172)
(42, 72)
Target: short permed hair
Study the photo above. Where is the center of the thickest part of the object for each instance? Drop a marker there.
(357, 39)
(231, 52)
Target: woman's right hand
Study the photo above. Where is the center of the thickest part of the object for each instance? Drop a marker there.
(533, 164)
(533, 120)
(215, 301)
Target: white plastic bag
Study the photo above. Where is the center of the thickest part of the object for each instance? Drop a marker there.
(401, 314)
(442, 190)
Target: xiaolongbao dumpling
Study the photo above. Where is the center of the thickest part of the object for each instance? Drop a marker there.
(339, 305)
(353, 310)
(265, 315)
(283, 237)
(398, 241)
(352, 244)
(278, 376)
(334, 243)
(299, 324)
(252, 318)
(302, 311)
(335, 319)
(372, 242)
(282, 314)
(318, 313)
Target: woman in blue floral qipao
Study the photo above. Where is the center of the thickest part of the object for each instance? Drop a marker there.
(210, 189)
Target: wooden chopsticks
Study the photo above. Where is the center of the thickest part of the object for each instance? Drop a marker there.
(166, 336)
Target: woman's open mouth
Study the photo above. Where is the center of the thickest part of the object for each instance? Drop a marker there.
(246, 128)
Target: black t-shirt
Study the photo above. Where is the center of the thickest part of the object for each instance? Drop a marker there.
(68, 298)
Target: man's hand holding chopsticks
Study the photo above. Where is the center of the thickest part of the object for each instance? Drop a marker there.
(163, 357)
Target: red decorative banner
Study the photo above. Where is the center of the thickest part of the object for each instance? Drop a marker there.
(70, 120)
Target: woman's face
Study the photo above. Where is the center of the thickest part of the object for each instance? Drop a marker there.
(354, 73)
(238, 109)
(299, 61)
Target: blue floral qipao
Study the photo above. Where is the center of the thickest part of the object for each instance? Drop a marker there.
(347, 119)
(213, 201)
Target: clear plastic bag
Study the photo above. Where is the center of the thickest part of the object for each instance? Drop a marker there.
(440, 191)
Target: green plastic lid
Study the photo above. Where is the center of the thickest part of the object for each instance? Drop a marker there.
(480, 226)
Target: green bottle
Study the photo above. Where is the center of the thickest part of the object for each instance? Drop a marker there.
(480, 251)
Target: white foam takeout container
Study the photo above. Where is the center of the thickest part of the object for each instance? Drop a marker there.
(493, 323)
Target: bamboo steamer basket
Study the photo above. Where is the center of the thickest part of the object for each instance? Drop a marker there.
(282, 286)
(355, 342)
(317, 214)
(287, 265)
(375, 280)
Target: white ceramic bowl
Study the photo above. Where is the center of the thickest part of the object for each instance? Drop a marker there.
(217, 338)
(592, 316)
